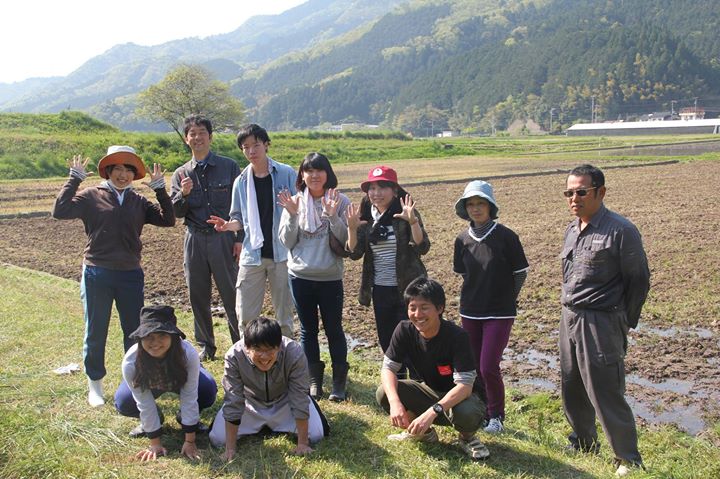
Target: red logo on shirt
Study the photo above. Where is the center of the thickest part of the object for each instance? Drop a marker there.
(444, 370)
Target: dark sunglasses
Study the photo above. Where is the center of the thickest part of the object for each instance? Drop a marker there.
(580, 192)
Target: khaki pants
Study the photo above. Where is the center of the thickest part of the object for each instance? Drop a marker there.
(251, 293)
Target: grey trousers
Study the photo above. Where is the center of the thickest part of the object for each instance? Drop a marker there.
(209, 255)
(592, 351)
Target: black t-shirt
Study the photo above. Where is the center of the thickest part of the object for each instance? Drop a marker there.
(487, 266)
(266, 209)
(435, 359)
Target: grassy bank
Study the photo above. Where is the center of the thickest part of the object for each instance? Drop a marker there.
(37, 146)
(49, 431)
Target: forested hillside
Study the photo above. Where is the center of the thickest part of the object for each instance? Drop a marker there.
(426, 65)
(481, 64)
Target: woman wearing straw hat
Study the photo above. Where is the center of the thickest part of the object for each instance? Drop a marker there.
(163, 361)
(387, 230)
(113, 215)
(492, 263)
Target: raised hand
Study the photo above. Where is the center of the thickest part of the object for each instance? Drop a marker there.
(330, 202)
(186, 184)
(79, 164)
(352, 216)
(156, 174)
(408, 210)
(289, 202)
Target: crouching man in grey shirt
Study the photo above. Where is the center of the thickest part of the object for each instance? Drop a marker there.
(267, 385)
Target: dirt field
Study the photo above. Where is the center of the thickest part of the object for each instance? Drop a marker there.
(673, 366)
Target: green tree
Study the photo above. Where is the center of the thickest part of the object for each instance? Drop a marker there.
(186, 90)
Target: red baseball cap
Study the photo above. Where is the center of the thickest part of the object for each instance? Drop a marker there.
(379, 173)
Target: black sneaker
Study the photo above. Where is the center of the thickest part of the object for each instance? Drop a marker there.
(201, 427)
(138, 431)
(205, 356)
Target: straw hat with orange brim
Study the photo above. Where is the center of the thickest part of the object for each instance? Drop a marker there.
(121, 155)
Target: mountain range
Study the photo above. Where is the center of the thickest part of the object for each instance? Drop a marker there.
(461, 64)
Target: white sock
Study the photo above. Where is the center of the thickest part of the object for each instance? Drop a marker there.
(95, 394)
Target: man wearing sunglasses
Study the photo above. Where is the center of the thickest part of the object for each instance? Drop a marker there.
(605, 282)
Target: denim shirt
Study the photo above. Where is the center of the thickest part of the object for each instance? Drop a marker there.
(283, 178)
(202, 202)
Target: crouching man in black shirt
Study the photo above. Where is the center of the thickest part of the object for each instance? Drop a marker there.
(440, 351)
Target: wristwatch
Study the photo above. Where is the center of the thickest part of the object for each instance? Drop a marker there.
(438, 409)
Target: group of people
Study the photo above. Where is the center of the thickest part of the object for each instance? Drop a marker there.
(268, 224)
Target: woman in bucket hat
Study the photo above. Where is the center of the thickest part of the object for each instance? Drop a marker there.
(492, 263)
(163, 361)
(387, 230)
(113, 215)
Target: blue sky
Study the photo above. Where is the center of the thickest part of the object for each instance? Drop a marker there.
(47, 38)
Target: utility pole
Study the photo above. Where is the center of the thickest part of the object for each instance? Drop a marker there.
(551, 114)
(592, 110)
(672, 108)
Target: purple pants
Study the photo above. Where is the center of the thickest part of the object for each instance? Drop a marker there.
(488, 338)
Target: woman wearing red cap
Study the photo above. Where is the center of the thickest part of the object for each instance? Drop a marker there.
(388, 231)
(113, 215)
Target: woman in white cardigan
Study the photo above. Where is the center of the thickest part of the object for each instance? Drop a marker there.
(163, 361)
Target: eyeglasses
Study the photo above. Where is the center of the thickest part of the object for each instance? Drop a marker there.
(263, 352)
(580, 192)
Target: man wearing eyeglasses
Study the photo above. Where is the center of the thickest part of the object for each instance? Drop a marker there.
(605, 283)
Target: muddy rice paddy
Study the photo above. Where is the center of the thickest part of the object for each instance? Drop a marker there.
(673, 366)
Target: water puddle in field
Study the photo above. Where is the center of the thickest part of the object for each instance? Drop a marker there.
(687, 418)
(673, 331)
(677, 386)
(533, 368)
(352, 344)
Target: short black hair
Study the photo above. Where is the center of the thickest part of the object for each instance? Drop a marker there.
(262, 331)
(252, 129)
(316, 161)
(197, 120)
(596, 175)
(427, 289)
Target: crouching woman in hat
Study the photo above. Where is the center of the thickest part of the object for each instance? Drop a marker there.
(163, 361)
(113, 215)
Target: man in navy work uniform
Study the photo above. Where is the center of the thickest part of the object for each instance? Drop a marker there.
(450, 392)
(605, 283)
(200, 188)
